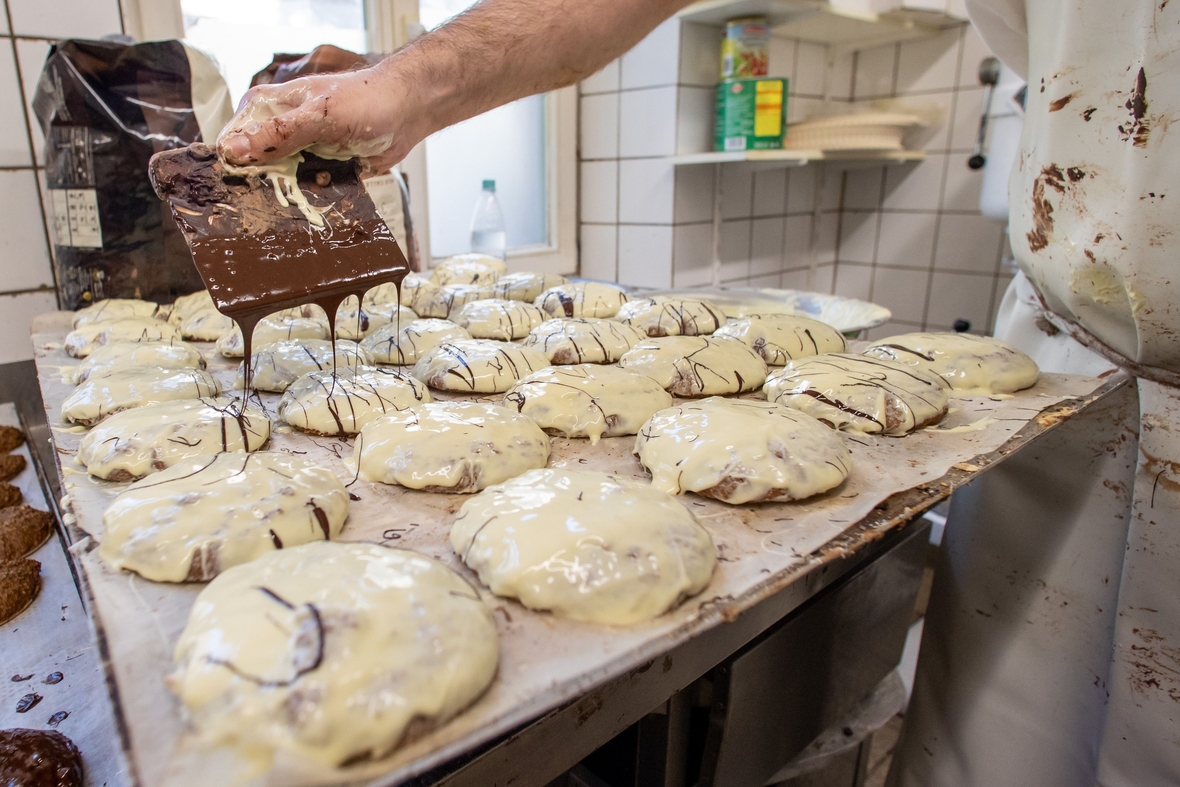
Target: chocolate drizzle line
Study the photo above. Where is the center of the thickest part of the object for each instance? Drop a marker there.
(300, 670)
(257, 257)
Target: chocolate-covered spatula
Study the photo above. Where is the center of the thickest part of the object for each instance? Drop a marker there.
(256, 247)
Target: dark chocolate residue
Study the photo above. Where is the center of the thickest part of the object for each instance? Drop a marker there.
(28, 702)
(1059, 104)
(58, 718)
(52, 678)
(1137, 130)
(19, 678)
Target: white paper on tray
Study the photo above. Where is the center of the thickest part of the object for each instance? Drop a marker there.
(545, 661)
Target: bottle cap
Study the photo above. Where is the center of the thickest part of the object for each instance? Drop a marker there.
(489, 185)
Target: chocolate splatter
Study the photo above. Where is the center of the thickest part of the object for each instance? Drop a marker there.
(19, 678)
(52, 678)
(1137, 130)
(58, 718)
(28, 702)
(1075, 174)
(1042, 209)
(1089, 113)
(1060, 104)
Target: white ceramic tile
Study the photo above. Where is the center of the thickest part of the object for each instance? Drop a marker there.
(694, 120)
(932, 137)
(602, 81)
(801, 190)
(599, 126)
(929, 63)
(647, 122)
(955, 296)
(700, 54)
(769, 280)
(825, 237)
(901, 292)
(801, 108)
(810, 64)
(842, 77)
(598, 252)
(30, 56)
(831, 187)
(694, 194)
(797, 242)
(735, 250)
(24, 252)
(962, 185)
(796, 279)
(968, 243)
(770, 192)
(974, 51)
(766, 246)
(737, 191)
(858, 237)
(655, 60)
(874, 71)
(891, 328)
(823, 279)
(862, 188)
(3, 19)
(599, 191)
(915, 186)
(645, 256)
(14, 138)
(19, 311)
(853, 281)
(964, 125)
(782, 59)
(646, 190)
(65, 18)
(907, 239)
(692, 255)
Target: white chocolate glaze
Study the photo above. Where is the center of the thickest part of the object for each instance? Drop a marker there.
(405, 345)
(113, 309)
(341, 403)
(201, 516)
(495, 318)
(168, 355)
(971, 364)
(741, 451)
(859, 393)
(420, 294)
(355, 324)
(187, 305)
(569, 340)
(453, 297)
(337, 652)
(449, 447)
(278, 365)
(143, 440)
(477, 365)
(588, 400)
(697, 365)
(206, 325)
(779, 338)
(83, 340)
(135, 386)
(468, 269)
(664, 316)
(581, 299)
(271, 329)
(585, 545)
(526, 285)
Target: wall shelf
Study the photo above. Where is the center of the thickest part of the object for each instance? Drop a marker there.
(843, 29)
(774, 159)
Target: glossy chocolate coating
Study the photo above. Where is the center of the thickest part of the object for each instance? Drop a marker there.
(38, 758)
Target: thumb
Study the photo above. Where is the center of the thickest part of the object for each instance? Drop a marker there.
(257, 136)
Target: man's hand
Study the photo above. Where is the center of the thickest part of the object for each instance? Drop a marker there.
(496, 52)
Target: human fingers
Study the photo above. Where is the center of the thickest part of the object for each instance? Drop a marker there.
(275, 121)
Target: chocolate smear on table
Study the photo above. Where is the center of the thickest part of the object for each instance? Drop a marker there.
(28, 702)
(58, 718)
(52, 678)
(259, 253)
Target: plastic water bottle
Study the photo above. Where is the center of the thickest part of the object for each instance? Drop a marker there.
(487, 224)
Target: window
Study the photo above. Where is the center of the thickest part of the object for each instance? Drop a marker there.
(243, 35)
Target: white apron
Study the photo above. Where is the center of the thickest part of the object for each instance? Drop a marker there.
(1051, 650)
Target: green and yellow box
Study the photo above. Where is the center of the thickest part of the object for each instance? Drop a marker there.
(751, 114)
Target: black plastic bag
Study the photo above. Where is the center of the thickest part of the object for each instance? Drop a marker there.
(105, 108)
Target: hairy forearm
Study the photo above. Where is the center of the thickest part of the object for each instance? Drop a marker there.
(502, 50)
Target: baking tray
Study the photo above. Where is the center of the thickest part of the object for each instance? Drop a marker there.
(545, 661)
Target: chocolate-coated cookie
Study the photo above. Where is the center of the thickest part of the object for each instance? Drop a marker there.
(10, 438)
(11, 466)
(20, 582)
(22, 530)
(39, 758)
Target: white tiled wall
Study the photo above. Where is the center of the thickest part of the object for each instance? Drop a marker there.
(27, 28)
(909, 237)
